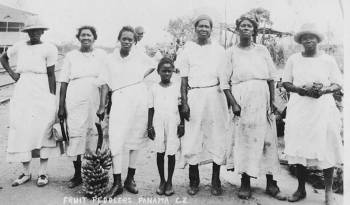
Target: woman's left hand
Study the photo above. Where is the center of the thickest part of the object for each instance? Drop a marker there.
(101, 113)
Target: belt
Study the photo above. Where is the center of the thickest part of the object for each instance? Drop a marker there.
(199, 87)
(126, 86)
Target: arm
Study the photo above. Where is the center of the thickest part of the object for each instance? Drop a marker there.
(232, 101)
(61, 110)
(294, 89)
(4, 60)
(150, 130)
(330, 89)
(103, 98)
(181, 126)
(185, 110)
(52, 79)
(271, 84)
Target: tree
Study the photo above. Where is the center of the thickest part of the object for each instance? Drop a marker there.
(181, 28)
(263, 17)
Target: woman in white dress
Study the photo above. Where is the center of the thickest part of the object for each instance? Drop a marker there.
(249, 68)
(80, 97)
(312, 130)
(33, 104)
(125, 72)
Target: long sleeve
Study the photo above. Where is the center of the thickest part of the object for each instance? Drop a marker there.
(226, 71)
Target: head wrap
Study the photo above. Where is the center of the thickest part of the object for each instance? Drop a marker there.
(203, 17)
(250, 18)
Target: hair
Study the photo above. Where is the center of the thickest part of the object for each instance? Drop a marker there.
(253, 22)
(91, 28)
(127, 29)
(165, 60)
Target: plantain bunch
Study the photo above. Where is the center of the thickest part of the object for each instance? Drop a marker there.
(95, 173)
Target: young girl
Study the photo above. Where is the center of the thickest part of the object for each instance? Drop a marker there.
(167, 126)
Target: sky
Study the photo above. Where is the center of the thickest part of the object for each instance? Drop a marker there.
(108, 16)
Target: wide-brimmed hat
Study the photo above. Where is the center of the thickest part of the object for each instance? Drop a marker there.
(308, 28)
(34, 22)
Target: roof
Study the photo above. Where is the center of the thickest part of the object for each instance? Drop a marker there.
(10, 13)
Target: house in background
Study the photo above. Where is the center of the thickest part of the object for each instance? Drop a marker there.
(11, 22)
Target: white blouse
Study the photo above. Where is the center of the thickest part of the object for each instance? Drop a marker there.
(33, 58)
(79, 65)
(165, 100)
(302, 71)
(121, 72)
(243, 65)
(200, 63)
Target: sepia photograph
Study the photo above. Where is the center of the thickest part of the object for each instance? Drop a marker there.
(173, 102)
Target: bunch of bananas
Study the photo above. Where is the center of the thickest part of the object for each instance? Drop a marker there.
(95, 173)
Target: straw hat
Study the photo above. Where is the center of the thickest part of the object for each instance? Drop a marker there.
(34, 22)
(308, 28)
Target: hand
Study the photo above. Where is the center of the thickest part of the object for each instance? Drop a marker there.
(236, 109)
(301, 91)
(151, 133)
(16, 76)
(185, 110)
(313, 93)
(273, 107)
(101, 113)
(180, 130)
(62, 113)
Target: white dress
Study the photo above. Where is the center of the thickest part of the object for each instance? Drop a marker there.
(165, 101)
(254, 136)
(32, 106)
(206, 132)
(129, 111)
(312, 129)
(81, 71)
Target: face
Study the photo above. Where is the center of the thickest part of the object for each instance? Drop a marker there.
(203, 29)
(309, 41)
(126, 40)
(86, 38)
(246, 28)
(139, 34)
(165, 72)
(35, 34)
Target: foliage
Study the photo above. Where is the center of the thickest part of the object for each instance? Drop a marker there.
(263, 16)
(181, 28)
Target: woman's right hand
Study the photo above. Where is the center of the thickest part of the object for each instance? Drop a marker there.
(185, 109)
(61, 113)
(151, 133)
(236, 109)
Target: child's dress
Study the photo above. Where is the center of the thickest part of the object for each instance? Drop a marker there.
(165, 101)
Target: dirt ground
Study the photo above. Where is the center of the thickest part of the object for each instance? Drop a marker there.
(61, 169)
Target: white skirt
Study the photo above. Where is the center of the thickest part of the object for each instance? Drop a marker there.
(32, 115)
(207, 131)
(312, 132)
(128, 119)
(82, 102)
(254, 132)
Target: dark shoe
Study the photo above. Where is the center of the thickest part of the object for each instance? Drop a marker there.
(297, 196)
(161, 188)
(216, 189)
(169, 189)
(74, 182)
(130, 186)
(194, 180)
(274, 191)
(245, 191)
(115, 190)
(22, 179)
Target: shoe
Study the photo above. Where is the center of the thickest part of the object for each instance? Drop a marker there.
(194, 180)
(216, 190)
(130, 186)
(74, 182)
(274, 191)
(193, 190)
(22, 179)
(169, 189)
(245, 191)
(116, 190)
(42, 180)
(161, 188)
(297, 196)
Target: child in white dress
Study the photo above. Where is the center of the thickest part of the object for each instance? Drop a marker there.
(164, 123)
